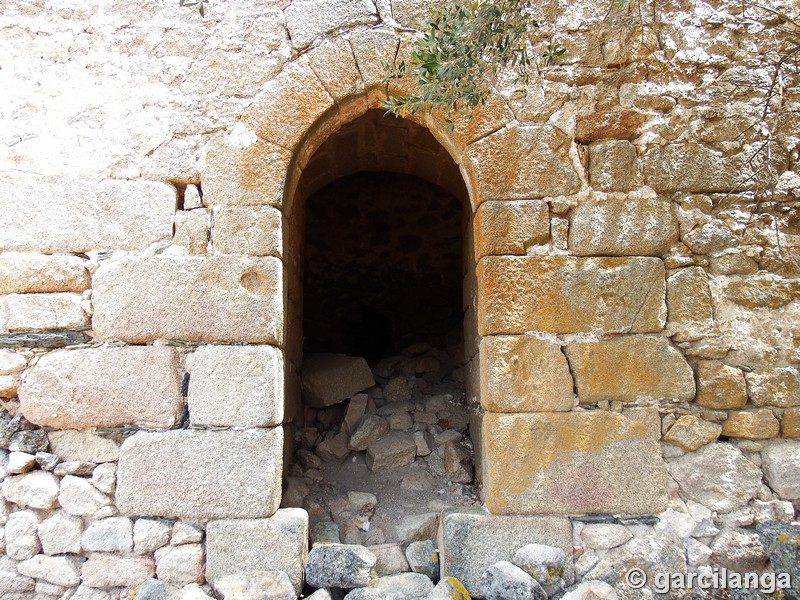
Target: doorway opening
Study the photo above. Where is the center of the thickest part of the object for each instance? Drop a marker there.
(378, 242)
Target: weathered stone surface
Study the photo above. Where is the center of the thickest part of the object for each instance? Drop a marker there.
(510, 227)
(250, 173)
(550, 566)
(79, 497)
(13, 583)
(72, 215)
(782, 544)
(61, 534)
(621, 125)
(372, 48)
(389, 558)
(395, 449)
(256, 585)
(690, 433)
(334, 449)
(523, 162)
(84, 446)
(256, 231)
(457, 463)
(104, 387)
(717, 476)
(576, 462)
(335, 65)
(524, 374)
(449, 588)
(340, 566)
(423, 558)
(604, 536)
(290, 104)
(591, 590)
(37, 490)
(720, 386)
(332, 378)
(505, 581)
(642, 227)
(689, 311)
(180, 565)
(355, 411)
(751, 424)
(739, 551)
(60, 310)
(279, 542)
(562, 294)
(114, 534)
(630, 368)
(58, 570)
(192, 230)
(402, 586)
(308, 20)
(790, 424)
(710, 237)
(25, 273)
(201, 474)
(22, 541)
(472, 541)
(12, 362)
(774, 387)
(691, 167)
(112, 570)
(42, 339)
(185, 533)
(207, 299)
(614, 166)
(370, 430)
(150, 534)
(239, 386)
(417, 528)
(780, 460)
(762, 291)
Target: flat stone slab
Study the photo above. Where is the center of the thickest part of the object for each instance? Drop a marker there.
(332, 378)
(240, 546)
(104, 387)
(200, 475)
(240, 386)
(205, 299)
(472, 541)
(563, 294)
(573, 463)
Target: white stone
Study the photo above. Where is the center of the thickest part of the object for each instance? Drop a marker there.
(11, 583)
(149, 535)
(192, 592)
(11, 362)
(61, 534)
(25, 312)
(697, 553)
(37, 490)
(180, 565)
(111, 570)
(86, 593)
(602, 536)
(185, 533)
(59, 570)
(73, 215)
(103, 387)
(591, 590)
(780, 462)
(84, 446)
(104, 477)
(239, 386)
(309, 19)
(114, 534)
(22, 541)
(79, 497)
(20, 462)
(199, 475)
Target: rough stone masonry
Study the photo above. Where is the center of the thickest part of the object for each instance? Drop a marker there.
(631, 299)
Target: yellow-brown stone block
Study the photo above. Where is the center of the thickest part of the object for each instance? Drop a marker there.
(524, 374)
(774, 387)
(564, 294)
(720, 386)
(791, 423)
(758, 424)
(690, 433)
(630, 368)
(575, 462)
(524, 162)
(510, 227)
(289, 106)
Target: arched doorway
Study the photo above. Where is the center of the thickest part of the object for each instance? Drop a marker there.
(379, 223)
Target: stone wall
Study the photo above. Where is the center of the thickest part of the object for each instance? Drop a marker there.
(631, 301)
